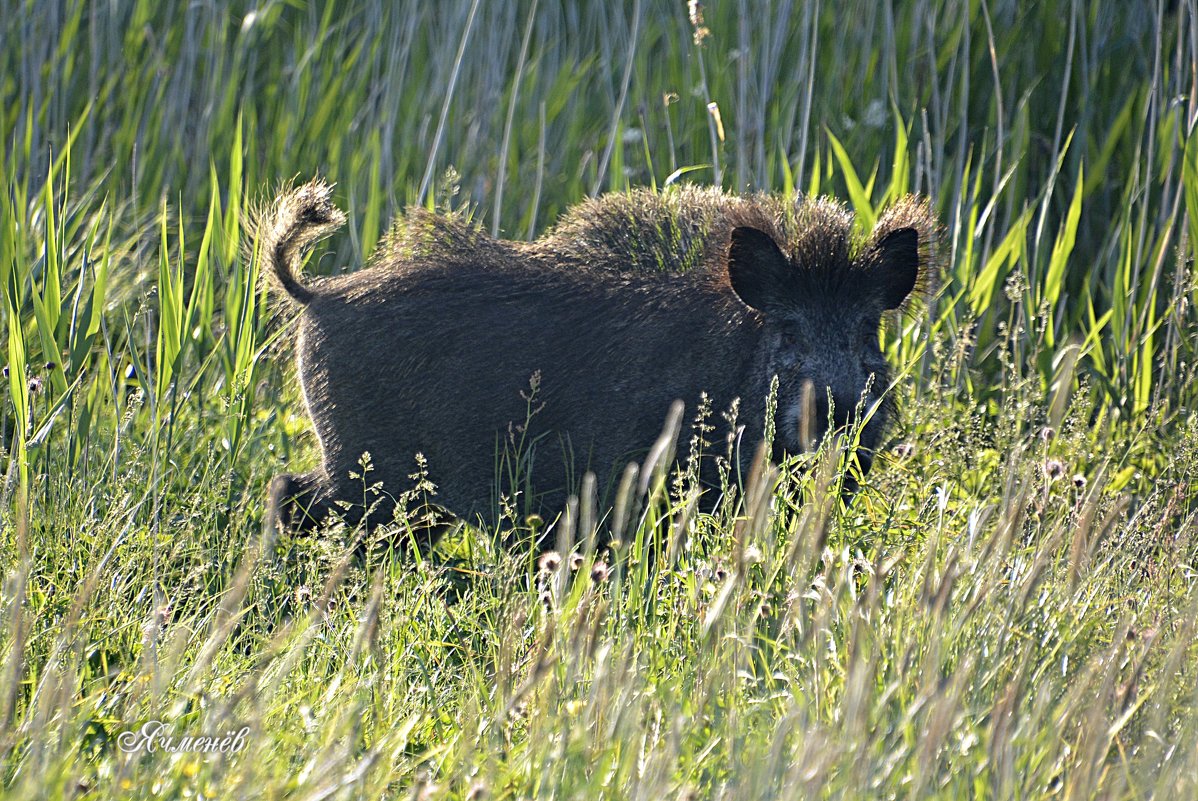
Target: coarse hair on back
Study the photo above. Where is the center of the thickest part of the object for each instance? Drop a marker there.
(680, 230)
(688, 228)
(448, 237)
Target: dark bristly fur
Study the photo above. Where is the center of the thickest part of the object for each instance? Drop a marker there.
(630, 302)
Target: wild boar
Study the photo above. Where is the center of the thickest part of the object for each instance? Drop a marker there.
(631, 302)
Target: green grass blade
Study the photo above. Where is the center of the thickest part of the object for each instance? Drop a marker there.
(859, 196)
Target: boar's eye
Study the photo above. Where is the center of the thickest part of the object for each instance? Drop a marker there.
(790, 340)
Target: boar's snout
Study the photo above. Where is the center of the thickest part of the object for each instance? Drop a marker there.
(833, 409)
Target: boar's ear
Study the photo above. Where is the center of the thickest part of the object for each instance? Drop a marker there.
(757, 269)
(898, 270)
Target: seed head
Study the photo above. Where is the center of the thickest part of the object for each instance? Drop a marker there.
(1053, 469)
(694, 10)
(549, 561)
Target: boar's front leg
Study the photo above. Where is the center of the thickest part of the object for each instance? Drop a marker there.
(298, 502)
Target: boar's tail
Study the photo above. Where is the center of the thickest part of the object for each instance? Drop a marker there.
(298, 217)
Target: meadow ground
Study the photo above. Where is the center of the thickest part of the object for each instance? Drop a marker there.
(1008, 610)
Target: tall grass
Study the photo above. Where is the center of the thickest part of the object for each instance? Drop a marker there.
(1007, 609)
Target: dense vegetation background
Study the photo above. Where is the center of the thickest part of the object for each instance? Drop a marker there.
(1007, 610)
